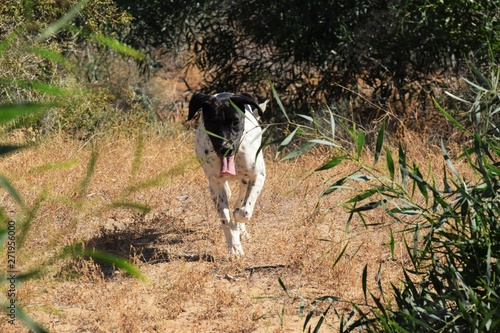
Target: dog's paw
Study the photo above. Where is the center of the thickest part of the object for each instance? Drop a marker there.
(232, 232)
(243, 231)
(235, 250)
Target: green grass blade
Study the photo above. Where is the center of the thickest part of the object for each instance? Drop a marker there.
(322, 319)
(12, 191)
(390, 163)
(278, 100)
(341, 254)
(84, 183)
(286, 141)
(360, 142)
(402, 165)
(143, 208)
(448, 161)
(52, 56)
(118, 46)
(299, 151)
(391, 243)
(332, 122)
(282, 284)
(7, 149)
(332, 163)
(380, 143)
(72, 162)
(116, 261)
(40, 86)
(364, 277)
(25, 319)
(449, 117)
(10, 112)
(62, 22)
(366, 194)
(4, 44)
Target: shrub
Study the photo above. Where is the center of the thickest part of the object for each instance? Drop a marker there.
(453, 284)
(29, 96)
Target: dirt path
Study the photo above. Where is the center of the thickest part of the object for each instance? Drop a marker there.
(192, 285)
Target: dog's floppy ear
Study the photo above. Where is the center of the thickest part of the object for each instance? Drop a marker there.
(241, 100)
(196, 103)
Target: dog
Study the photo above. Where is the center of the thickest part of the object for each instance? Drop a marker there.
(228, 145)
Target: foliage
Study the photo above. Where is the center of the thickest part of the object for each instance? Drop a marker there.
(453, 283)
(392, 52)
(31, 95)
(67, 54)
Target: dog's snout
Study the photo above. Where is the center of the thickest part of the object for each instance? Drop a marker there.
(227, 144)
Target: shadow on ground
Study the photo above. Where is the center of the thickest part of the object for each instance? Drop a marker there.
(151, 240)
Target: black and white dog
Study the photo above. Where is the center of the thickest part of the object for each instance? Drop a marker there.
(227, 143)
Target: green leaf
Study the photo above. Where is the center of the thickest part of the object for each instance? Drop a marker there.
(116, 261)
(341, 254)
(360, 142)
(143, 208)
(402, 165)
(392, 243)
(25, 319)
(364, 277)
(369, 206)
(278, 100)
(282, 284)
(324, 142)
(448, 161)
(299, 151)
(62, 22)
(10, 38)
(6, 149)
(332, 122)
(286, 141)
(421, 183)
(449, 117)
(405, 210)
(56, 166)
(308, 118)
(10, 112)
(77, 250)
(84, 183)
(362, 196)
(380, 143)
(390, 163)
(40, 86)
(118, 46)
(12, 191)
(52, 56)
(332, 163)
(322, 318)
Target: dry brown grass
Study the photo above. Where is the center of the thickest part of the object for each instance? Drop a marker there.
(192, 284)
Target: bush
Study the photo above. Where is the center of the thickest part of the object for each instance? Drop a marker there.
(30, 94)
(453, 284)
(67, 55)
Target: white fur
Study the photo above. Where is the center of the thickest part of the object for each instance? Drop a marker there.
(250, 172)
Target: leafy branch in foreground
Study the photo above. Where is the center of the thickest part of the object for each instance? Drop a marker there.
(453, 284)
(17, 219)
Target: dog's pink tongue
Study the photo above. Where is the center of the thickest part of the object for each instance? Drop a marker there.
(227, 166)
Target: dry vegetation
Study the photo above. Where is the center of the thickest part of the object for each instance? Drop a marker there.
(192, 285)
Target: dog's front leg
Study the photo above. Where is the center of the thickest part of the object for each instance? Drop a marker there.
(244, 211)
(220, 195)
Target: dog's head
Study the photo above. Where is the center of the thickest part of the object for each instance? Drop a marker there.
(225, 124)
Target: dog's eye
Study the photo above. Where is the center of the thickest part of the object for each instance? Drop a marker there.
(236, 123)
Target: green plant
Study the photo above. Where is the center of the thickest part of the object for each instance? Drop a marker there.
(36, 96)
(452, 228)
